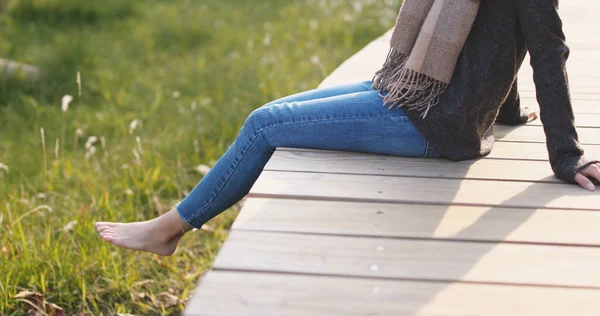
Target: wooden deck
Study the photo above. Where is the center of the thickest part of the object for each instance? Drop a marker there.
(341, 233)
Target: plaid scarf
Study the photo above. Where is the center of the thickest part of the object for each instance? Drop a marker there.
(426, 43)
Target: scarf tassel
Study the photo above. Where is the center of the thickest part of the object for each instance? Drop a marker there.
(406, 87)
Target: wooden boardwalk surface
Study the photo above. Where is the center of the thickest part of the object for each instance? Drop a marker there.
(342, 233)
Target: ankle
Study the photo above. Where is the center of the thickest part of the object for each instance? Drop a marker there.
(166, 229)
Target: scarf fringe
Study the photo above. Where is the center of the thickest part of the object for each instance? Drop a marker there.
(407, 88)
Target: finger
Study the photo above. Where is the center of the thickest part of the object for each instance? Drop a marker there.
(533, 115)
(593, 171)
(584, 182)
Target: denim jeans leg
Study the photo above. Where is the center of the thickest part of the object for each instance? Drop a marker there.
(348, 122)
(325, 92)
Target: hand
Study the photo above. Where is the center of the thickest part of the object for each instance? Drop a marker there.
(533, 115)
(591, 171)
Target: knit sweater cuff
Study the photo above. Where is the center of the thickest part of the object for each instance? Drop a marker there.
(524, 116)
(514, 118)
(567, 168)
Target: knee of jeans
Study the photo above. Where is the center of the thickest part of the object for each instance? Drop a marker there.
(257, 120)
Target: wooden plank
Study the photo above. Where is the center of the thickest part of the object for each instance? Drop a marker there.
(581, 120)
(354, 240)
(575, 97)
(371, 164)
(580, 106)
(411, 259)
(245, 293)
(529, 133)
(535, 151)
(501, 150)
(493, 224)
(580, 81)
(424, 191)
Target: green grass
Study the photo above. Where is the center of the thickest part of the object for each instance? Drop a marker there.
(190, 72)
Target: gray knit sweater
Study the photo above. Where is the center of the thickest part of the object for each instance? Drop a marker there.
(484, 87)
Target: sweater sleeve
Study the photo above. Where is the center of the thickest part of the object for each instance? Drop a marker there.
(542, 29)
(510, 112)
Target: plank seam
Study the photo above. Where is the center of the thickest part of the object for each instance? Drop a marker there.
(419, 177)
(414, 238)
(449, 281)
(341, 152)
(393, 201)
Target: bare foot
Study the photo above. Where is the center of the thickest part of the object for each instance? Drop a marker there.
(159, 236)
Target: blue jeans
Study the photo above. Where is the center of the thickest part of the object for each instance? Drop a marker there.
(348, 117)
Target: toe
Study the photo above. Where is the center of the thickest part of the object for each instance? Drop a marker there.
(103, 235)
(106, 224)
(104, 229)
(109, 237)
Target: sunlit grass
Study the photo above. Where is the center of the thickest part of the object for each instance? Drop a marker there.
(165, 87)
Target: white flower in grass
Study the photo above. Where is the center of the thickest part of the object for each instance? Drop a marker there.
(65, 102)
(56, 148)
(3, 167)
(267, 39)
(137, 156)
(196, 146)
(79, 84)
(315, 60)
(70, 225)
(43, 138)
(91, 151)
(138, 140)
(90, 141)
(133, 125)
(203, 169)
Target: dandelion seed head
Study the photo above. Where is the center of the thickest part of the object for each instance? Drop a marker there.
(79, 132)
(176, 94)
(315, 60)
